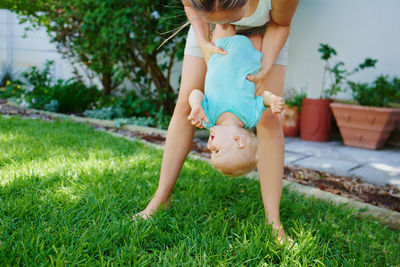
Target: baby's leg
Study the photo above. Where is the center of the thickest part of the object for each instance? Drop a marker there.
(256, 40)
(223, 31)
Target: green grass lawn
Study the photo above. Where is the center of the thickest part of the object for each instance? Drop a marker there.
(67, 194)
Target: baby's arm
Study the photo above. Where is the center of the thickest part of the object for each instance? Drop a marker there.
(197, 114)
(276, 103)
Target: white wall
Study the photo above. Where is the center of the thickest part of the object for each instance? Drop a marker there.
(355, 28)
(31, 51)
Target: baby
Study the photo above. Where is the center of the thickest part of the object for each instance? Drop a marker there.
(229, 108)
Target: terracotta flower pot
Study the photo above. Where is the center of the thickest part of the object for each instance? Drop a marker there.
(291, 121)
(365, 127)
(316, 120)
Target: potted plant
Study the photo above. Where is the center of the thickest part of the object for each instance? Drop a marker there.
(291, 113)
(316, 115)
(369, 122)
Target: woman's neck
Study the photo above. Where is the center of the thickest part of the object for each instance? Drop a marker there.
(228, 118)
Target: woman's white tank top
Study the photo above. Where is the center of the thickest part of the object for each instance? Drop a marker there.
(260, 16)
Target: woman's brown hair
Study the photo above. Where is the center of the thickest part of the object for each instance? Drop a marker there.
(208, 6)
(214, 5)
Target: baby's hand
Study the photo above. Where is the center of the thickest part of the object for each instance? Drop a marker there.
(277, 104)
(197, 116)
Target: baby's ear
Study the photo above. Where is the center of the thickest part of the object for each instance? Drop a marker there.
(240, 141)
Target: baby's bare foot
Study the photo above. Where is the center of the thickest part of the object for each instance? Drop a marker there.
(154, 205)
(277, 104)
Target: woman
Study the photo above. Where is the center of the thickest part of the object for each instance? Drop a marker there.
(251, 18)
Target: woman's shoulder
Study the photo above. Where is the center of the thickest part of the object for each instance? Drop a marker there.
(283, 11)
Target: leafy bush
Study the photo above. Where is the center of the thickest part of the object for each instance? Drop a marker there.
(161, 121)
(141, 121)
(52, 106)
(136, 106)
(40, 77)
(337, 74)
(107, 113)
(7, 75)
(12, 89)
(296, 99)
(116, 39)
(380, 93)
(38, 97)
(71, 95)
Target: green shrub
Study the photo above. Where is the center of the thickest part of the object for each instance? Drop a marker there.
(38, 97)
(161, 121)
(71, 95)
(380, 93)
(116, 40)
(136, 106)
(12, 89)
(107, 113)
(52, 106)
(40, 77)
(8, 75)
(337, 74)
(296, 100)
(141, 121)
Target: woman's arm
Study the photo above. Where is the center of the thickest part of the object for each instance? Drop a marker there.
(275, 35)
(201, 28)
(277, 31)
(202, 31)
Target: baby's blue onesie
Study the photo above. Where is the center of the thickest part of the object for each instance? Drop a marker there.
(226, 86)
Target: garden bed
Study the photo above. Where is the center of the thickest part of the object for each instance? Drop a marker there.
(383, 196)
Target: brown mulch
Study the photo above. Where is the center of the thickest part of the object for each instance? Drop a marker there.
(387, 196)
(15, 111)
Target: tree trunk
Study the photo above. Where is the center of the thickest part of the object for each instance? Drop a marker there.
(148, 63)
(106, 81)
(162, 85)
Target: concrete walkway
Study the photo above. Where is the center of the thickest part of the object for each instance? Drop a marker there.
(374, 166)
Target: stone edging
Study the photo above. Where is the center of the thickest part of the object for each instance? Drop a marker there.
(364, 210)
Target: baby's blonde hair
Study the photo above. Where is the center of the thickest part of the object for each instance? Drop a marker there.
(248, 159)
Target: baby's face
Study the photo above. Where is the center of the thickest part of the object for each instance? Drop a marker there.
(222, 138)
(225, 142)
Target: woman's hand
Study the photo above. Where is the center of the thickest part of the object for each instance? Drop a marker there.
(208, 49)
(257, 78)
